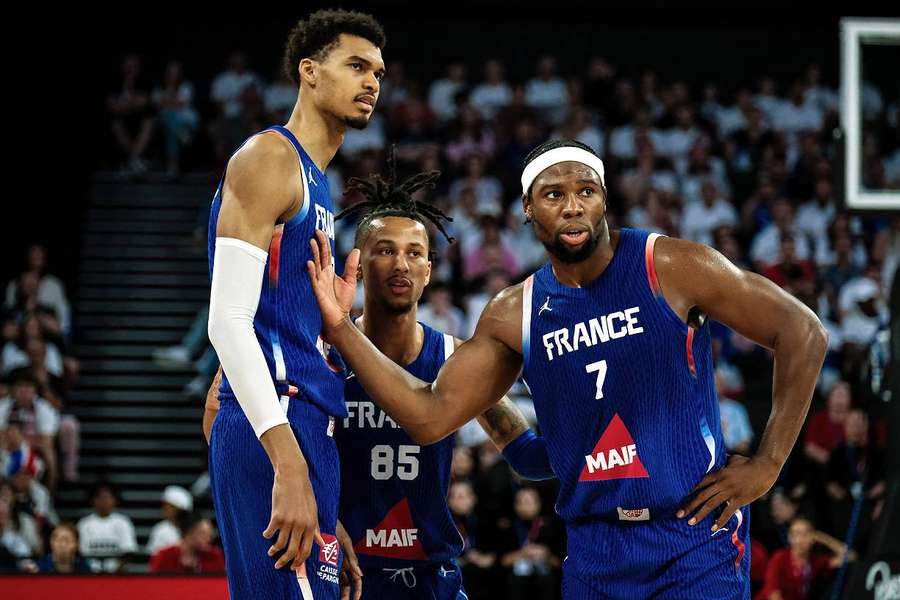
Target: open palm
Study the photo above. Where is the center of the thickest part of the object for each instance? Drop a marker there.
(334, 294)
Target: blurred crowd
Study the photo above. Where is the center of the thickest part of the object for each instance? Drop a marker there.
(750, 171)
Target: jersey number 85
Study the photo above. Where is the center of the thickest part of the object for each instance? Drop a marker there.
(384, 467)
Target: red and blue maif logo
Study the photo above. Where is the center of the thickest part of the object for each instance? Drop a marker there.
(614, 457)
(328, 553)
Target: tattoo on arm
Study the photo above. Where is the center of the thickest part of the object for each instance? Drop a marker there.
(503, 422)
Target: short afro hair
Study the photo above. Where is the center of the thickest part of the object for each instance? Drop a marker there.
(317, 35)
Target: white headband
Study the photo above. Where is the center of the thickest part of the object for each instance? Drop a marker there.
(556, 156)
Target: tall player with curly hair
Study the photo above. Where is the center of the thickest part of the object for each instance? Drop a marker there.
(273, 460)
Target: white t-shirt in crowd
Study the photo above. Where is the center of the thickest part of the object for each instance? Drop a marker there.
(441, 98)
(52, 293)
(280, 98)
(766, 246)
(162, 535)
(699, 220)
(790, 118)
(489, 99)
(549, 96)
(106, 539)
(228, 86)
(42, 416)
(813, 219)
(14, 357)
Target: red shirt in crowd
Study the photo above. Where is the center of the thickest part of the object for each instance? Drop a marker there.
(824, 432)
(793, 579)
(168, 560)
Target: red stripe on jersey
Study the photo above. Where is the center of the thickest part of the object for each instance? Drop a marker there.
(652, 279)
(275, 254)
(689, 348)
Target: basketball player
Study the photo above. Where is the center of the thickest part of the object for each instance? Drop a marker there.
(273, 461)
(393, 490)
(612, 337)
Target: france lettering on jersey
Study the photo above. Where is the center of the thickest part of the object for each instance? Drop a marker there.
(394, 491)
(622, 387)
(288, 321)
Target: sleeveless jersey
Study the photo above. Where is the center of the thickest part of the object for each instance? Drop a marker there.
(393, 491)
(622, 387)
(288, 321)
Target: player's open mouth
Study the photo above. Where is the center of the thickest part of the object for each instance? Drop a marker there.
(574, 237)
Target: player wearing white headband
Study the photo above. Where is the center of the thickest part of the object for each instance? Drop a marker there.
(612, 337)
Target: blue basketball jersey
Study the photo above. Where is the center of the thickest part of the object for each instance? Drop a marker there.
(288, 322)
(394, 491)
(623, 389)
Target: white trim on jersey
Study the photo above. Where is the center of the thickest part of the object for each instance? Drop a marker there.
(303, 582)
(527, 291)
(449, 345)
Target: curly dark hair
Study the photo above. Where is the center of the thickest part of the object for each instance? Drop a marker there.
(387, 198)
(318, 34)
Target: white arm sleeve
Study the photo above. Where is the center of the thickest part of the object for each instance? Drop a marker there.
(238, 269)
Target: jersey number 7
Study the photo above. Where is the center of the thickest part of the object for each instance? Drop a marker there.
(599, 368)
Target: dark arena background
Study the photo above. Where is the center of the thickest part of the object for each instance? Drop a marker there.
(770, 134)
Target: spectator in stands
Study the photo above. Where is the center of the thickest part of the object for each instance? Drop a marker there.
(766, 247)
(494, 282)
(547, 92)
(51, 292)
(40, 421)
(825, 428)
(194, 554)
(106, 537)
(443, 93)
(862, 309)
(598, 85)
(280, 97)
(578, 126)
(701, 166)
(237, 92)
(487, 188)
(173, 99)
(177, 503)
(793, 275)
(532, 550)
(15, 354)
(840, 271)
(736, 429)
(11, 536)
(131, 115)
(797, 572)
(477, 560)
(796, 115)
(855, 471)
(63, 556)
(712, 211)
(440, 313)
(492, 94)
(492, 253)
(778, 513)
(468, 135)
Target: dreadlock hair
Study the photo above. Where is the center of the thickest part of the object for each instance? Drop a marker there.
(386, 198)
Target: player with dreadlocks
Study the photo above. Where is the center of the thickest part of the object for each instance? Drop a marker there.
(394, 490)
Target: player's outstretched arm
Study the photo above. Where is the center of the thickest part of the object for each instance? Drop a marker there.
(693, 275)
(525, 451)
(475, 376)
(260, 188)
